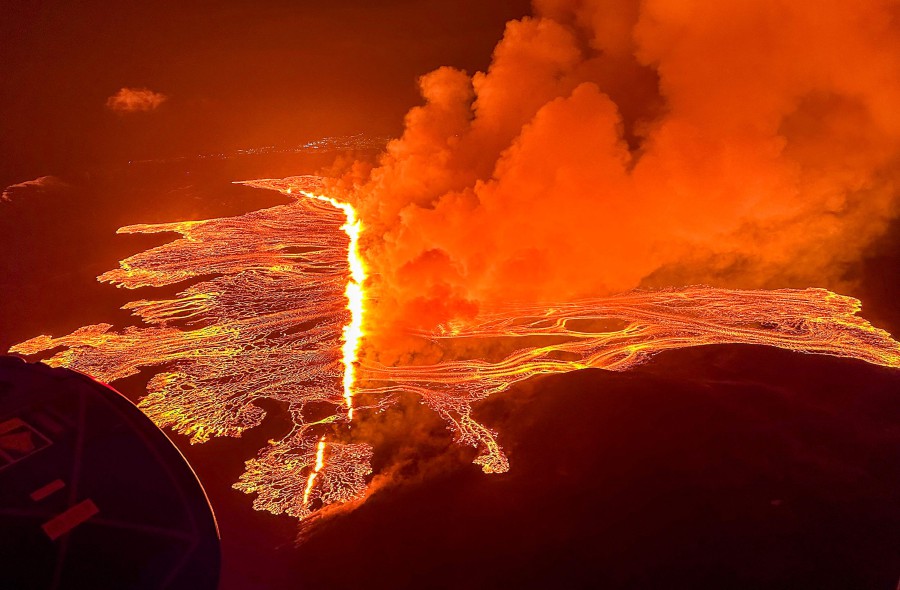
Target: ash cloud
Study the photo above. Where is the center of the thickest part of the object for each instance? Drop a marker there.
(135, 100)
(616, 144)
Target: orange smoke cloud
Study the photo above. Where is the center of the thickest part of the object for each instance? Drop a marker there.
(135, 100)
(614, 143)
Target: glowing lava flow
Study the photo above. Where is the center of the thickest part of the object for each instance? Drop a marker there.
(352, 332)
(320, 462)
(275, 312)
(516, 342)
(264, 319)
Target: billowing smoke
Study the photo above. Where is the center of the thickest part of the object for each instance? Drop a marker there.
(614, 144)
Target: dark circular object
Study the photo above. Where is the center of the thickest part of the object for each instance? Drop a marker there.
(92, 493)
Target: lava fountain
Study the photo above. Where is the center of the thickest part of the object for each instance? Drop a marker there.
(276, 311)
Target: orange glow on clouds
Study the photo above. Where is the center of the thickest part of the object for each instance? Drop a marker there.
(135, 100)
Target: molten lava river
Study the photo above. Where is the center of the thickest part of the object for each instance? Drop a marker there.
(277, 310)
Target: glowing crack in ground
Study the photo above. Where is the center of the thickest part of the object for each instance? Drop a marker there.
(276, 312)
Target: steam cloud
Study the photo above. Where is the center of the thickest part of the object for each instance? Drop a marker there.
(614, 144)
(135, 100)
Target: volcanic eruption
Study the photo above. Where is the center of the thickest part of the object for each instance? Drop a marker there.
(562, 210)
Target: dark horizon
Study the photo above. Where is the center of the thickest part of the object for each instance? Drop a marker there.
(237, 75)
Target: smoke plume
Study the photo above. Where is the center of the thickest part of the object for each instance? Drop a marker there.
(613, 144)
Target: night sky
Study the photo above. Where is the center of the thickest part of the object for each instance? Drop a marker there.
(238, 74)
(733, 467)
